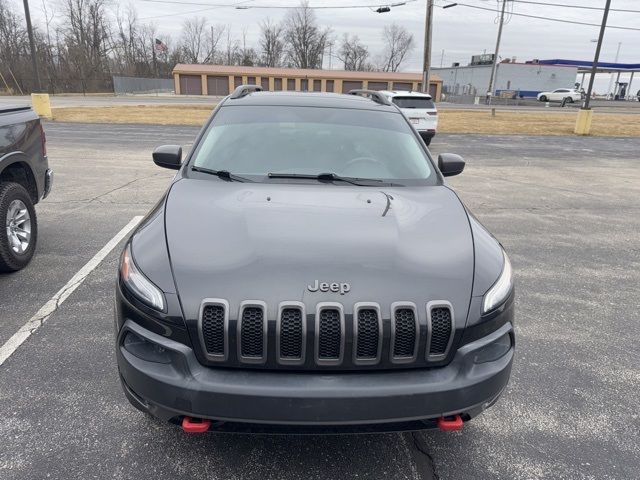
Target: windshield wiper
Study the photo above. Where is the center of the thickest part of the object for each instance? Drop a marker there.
(332, 177)
(224, 174)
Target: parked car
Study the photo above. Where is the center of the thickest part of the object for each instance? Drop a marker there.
(419, 108)
(332, 282)
(25, 179)
(560, 94)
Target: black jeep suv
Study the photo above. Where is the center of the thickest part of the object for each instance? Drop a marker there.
(310, 270)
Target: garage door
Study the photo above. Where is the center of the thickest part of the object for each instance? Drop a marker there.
(402, 86)
(350, 85)
(264, 82)
(378, 85)
(190, 85)
(217, 85)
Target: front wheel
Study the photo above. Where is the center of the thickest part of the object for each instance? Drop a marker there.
(569, 100)
(18, 227)
(543, 98)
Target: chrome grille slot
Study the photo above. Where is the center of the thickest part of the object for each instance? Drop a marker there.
(252, 332)
(329, 333)
(404, 332)
(367, 333)
(440, 329)
(291, 333)
(213, 329)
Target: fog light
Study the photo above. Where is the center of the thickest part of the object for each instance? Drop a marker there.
(494, 350)
(145, 350)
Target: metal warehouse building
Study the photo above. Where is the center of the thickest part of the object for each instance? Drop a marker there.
(523, 79)
(222, 79)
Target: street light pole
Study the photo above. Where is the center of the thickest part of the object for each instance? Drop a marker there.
(426, 64)
(594, 67)
(32, 46)
(494, 67)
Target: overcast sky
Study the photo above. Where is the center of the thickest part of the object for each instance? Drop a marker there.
(459, 31)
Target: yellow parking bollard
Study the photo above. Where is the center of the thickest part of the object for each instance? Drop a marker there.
(583, 122)
(41, 104)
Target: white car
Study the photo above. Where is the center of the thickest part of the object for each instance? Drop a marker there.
(559, 94)
(419, 109)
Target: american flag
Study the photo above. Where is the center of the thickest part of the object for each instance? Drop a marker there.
(160, 46)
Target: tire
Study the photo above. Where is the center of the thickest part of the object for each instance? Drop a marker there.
(543, 98)
(18, 227)
(569, 100)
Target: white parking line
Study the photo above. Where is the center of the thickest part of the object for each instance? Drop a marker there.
(52, 305)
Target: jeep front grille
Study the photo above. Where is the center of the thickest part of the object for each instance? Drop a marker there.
(291, 333)
(252, 332)
(439, 329)
(366, 336)
(405, 330)
(213, 329)
(329, 334)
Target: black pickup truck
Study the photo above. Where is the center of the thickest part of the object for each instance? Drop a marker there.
(25, 179)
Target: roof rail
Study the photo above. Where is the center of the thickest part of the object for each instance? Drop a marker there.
(372, 94)
(244, 90)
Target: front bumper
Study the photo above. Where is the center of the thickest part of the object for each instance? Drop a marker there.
(183, 387)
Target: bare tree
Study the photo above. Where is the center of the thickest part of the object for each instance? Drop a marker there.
(86, 35)
(305, 40)
(194, 39)
(398, 43)
(214, 35)
(271, 43)
(353, 53)
(231, 49)
(248, 56)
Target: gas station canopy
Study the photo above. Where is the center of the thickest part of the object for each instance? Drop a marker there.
(585, 66)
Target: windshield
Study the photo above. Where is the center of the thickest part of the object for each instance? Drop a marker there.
(253, 141)
(413, 102)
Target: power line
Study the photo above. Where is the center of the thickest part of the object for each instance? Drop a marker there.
(281, 7)
(550, 19)
(582, 7)
(200, 10)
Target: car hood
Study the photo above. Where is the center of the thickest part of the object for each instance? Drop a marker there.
(245, 241)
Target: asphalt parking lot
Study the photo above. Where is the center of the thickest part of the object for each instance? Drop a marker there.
(567, 210)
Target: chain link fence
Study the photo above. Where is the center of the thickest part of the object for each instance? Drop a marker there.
(142, 86)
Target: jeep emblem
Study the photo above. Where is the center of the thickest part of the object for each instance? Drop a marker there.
(340, 288)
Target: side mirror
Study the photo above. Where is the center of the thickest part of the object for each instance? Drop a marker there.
(168, 156)
(450, 164)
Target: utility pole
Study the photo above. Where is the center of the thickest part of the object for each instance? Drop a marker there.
(594, 67)
(494, 67)
(611, 79)
(426, 64)
(32, 46)
(585, 114)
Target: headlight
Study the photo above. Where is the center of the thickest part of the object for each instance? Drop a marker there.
(138, 284)
(500, 290)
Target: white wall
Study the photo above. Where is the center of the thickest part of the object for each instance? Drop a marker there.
(474, 80)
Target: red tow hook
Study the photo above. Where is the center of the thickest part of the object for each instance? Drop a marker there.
(450, 424)
(195, 425)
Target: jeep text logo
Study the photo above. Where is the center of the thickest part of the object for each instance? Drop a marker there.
(341, 288)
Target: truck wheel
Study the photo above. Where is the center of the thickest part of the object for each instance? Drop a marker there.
(18, 227)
